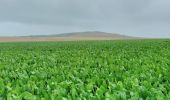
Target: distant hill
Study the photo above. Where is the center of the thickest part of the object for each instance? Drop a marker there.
(75, 36)
(89, 34)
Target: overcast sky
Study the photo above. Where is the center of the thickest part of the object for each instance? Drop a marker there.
(149, 18)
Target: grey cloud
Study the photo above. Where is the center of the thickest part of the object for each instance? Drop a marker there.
(131, 17)
(53, 11)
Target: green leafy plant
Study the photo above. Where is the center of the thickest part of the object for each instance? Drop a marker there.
(120, 70)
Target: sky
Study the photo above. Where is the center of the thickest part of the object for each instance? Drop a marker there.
(145, 18)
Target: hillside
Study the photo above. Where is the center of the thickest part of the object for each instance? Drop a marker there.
(90, 35)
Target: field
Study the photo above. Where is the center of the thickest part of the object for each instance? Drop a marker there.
(112, 70)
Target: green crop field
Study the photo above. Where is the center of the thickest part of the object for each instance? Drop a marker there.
(86, 70)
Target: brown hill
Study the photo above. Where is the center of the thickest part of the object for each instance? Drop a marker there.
(92, 35)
